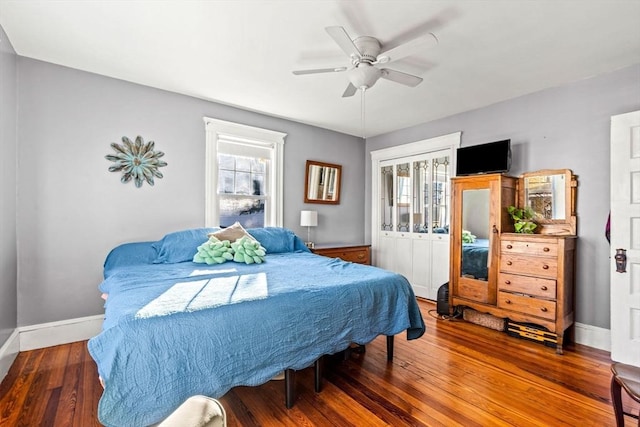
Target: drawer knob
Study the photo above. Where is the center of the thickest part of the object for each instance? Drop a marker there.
(507, 282)
(508, 301)
(509, 263)
(509, 247)
(546, 249)
(545, 267)
(544, 288)
(360, 256)
(543, 309)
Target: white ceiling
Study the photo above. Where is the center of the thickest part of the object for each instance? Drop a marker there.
(242, 52)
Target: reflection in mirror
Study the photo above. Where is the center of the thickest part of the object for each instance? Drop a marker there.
(322, 183)
(475, 234)
(545, 195)
(551, 194)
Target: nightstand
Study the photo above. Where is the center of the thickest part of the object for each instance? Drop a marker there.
(360, 254)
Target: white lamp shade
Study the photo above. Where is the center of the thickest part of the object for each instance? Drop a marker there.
(308, 218)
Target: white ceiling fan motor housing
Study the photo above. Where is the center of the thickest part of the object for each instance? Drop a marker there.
(364, 74)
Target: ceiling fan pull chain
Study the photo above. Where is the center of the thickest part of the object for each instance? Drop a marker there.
(364, 135)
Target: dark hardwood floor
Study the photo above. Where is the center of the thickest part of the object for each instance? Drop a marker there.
(457, 374)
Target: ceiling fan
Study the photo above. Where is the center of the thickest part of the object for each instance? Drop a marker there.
(366, 53)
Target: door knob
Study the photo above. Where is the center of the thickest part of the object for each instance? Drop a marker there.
(621, 260)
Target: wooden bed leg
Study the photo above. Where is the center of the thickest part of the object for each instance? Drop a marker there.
(289, 387)
(317, 370)
(390, 348)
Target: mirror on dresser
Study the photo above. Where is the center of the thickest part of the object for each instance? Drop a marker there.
(551, 194)
(476, 231)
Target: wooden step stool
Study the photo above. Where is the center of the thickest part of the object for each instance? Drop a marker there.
(625, 377)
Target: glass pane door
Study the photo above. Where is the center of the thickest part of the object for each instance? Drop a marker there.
(403, 198)
(421, 196)
(441, 192)
(386, 198)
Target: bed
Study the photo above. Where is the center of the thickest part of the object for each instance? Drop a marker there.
(174, 328)
(474, 259)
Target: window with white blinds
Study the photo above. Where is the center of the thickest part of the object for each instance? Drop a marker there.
(244, 177)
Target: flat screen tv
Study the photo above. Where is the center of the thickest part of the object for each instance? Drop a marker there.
(493, 157)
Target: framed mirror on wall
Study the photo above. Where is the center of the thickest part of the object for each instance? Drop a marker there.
(322, 183)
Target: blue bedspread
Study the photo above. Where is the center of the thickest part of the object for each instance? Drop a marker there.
(175, 330)
(474, 259)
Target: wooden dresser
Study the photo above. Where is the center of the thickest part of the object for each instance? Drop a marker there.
(360, 254)
(526, 279)
(535, 282)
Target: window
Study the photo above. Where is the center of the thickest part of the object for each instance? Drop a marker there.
(243, 175)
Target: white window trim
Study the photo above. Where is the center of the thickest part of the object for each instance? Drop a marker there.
(219, 129)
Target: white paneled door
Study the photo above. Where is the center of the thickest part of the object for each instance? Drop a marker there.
(625, 238)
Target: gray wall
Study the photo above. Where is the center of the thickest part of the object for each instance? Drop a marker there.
(563, 127)
(8, 254)
(72, 211)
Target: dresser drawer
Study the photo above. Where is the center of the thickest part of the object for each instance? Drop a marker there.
(528, 305)
(530, 265)
(544, 248)
(356, 254)
(535, 286)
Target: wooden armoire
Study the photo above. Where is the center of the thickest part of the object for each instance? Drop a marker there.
(527, 279)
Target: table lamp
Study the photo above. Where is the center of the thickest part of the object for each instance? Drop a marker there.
(309, 219)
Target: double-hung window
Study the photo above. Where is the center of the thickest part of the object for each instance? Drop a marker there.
(244, 177)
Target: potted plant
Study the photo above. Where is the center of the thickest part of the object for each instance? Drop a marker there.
(522, 219)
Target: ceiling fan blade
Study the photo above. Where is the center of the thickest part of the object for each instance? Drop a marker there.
(340, 36)
(400, 77)
(421, 43)
(354, 11)
(320, 70)
(350, 91)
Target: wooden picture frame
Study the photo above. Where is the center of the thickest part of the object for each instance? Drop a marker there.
(322, 183)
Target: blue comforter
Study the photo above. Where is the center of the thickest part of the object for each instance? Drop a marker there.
(175, 330)
(474, 259)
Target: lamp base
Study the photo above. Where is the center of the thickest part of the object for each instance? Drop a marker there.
(310, 245)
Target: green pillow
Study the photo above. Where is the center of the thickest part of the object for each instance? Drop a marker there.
(214, 251)
(248, 250)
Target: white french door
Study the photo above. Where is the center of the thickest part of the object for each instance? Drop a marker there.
(625, 238)
(411, 211)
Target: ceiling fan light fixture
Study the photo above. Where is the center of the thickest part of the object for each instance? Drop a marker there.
(364, 75)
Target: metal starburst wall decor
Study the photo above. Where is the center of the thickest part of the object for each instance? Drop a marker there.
(136, 160)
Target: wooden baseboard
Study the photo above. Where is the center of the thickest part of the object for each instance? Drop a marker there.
(62, 332)
(593, 336)
(8, 353)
